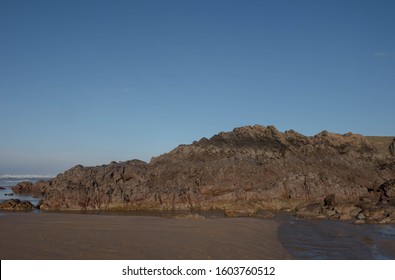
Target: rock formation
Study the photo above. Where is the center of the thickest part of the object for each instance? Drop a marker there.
(28, 188)
(17, 205)
(249, 169)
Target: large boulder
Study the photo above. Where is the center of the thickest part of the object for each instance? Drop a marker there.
(24, 188)
(16, 204)
(28, 188)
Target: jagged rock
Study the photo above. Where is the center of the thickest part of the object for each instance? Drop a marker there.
(16, 204)
(2, 188)
(28, 188)
(249, 169)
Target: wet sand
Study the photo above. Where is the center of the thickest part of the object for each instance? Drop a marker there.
(85, 236)
(336, 240)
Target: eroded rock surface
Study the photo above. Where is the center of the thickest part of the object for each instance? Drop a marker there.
(28, 188)
(17, 205)
(241, 172)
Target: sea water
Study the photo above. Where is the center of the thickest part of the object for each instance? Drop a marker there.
(334, 240)
(8, 181)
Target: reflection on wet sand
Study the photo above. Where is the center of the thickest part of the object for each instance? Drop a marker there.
(325, 239)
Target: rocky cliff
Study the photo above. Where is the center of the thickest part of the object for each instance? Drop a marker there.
(248, 169)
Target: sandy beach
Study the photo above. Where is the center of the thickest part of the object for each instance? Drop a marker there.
(85, 236)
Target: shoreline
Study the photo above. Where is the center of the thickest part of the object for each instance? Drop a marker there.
(336, 240)
(88, 236)
(170, 235)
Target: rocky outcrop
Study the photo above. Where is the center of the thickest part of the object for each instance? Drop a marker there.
(28, 188)
(17, 205)
(246, 170)
(24, 188)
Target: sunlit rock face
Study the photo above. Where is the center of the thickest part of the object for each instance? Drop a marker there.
(248, 169)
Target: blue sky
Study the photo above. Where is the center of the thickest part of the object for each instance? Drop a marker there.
(94, 81)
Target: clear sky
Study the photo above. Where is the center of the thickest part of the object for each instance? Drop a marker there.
(94, 81)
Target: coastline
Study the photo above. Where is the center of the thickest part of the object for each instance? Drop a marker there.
(112, 235)
(29, 236)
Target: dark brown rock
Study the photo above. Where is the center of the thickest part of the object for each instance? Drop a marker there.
(374, 215)
(330, 200)
(368, 200)
(38, 206)
(388, 188)
(28, 188)
(243, 171)
(24, 188)
(17, 205)
(331, 213)
(348, 209)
